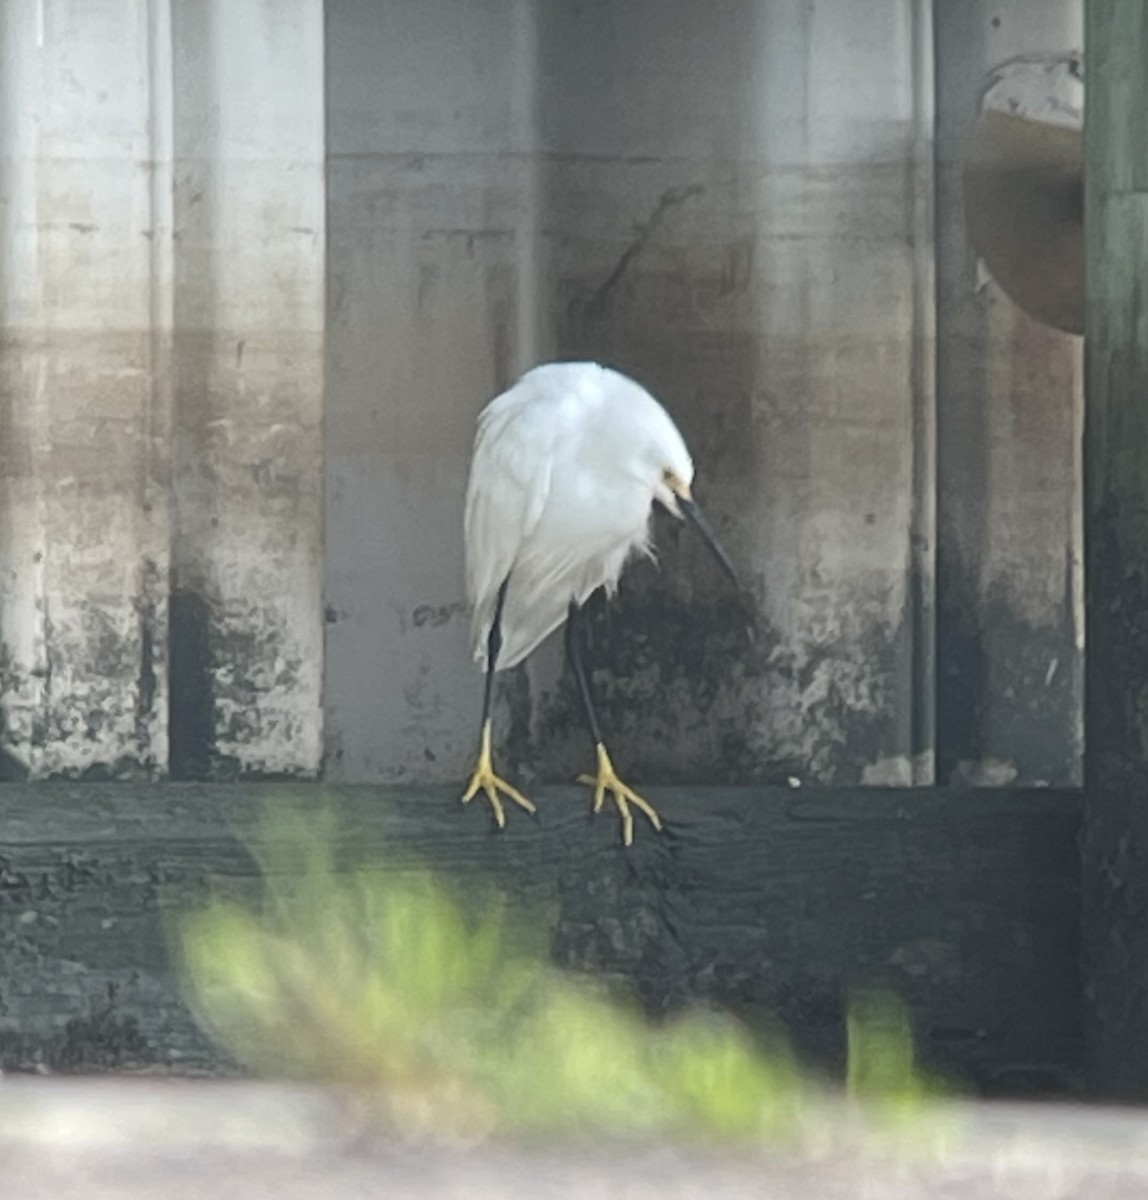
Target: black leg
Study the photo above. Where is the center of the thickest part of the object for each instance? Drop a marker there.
(493, 645)
(606, 779)
(574, 654)
(484, 778)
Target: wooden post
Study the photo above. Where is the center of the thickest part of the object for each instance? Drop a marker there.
(1116, 541)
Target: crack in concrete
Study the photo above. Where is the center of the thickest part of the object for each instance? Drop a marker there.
(598, 304)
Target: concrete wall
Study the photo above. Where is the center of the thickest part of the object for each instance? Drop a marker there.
(248, 312)
(85, 414)
(162, 311)
(732, 202)
(429, 191)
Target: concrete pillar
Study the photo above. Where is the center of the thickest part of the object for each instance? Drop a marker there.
(739, 201)
(161, 310)
(1009, 587)
(249, 295)
(1116, 541)
(85, 414)
(433, 308)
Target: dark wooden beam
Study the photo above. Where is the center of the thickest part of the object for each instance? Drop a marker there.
(772, 902)
(1116, 540)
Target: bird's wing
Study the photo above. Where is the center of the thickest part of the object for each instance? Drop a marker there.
(506, 493)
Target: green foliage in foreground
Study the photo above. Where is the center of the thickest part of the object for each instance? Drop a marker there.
(385, 979)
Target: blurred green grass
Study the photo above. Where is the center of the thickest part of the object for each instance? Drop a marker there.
(454, 1027)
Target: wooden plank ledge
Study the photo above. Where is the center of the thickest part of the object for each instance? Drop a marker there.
(772, 902)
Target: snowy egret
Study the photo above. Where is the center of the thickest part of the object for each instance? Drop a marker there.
(566, 468)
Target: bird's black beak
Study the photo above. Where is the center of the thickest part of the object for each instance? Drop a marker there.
(700, 522)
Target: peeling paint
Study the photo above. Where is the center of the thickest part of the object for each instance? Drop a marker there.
(91, 710)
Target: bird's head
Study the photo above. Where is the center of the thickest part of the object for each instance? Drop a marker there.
(673, 486)
(673, 491)
(649, 448)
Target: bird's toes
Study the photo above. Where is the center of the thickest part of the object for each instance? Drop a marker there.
(519, 799)
(627, 820)
(496, 805)
(646, 807)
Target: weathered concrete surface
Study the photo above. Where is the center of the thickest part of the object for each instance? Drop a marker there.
(1116, 538)
(123, 1140)
(161, 360)
(428, 195)
(1009, 558)
(735, 225)
(769, 902)
(246, 602)
(85, 404)
(730, 203)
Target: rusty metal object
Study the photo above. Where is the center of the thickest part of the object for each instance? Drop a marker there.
(1024, 206)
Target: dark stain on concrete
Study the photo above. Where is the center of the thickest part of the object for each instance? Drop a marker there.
(106, 1039)
(684, 688)
(11, 768)
(148, 608)
(191, 721)
(1009, 692)
(434, 615)
(68, 725)
(222, 666)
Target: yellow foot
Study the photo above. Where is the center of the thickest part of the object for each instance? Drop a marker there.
(486, 780)
(607, 781)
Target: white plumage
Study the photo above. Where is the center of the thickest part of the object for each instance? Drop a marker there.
(567, 464)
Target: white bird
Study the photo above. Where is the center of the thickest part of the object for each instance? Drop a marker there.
(567, 466)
